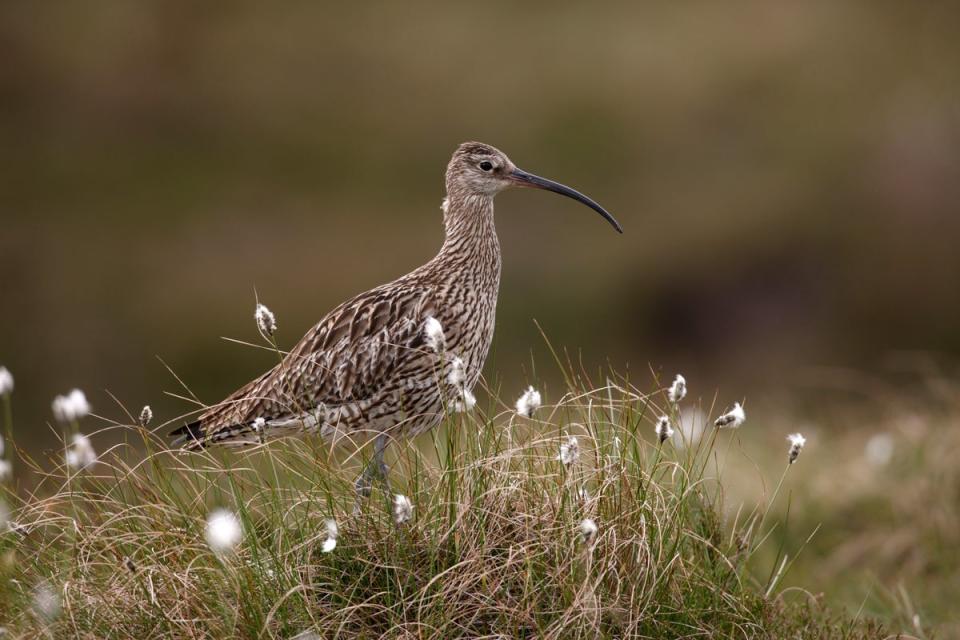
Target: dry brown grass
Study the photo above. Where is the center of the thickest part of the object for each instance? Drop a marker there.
(494, 549)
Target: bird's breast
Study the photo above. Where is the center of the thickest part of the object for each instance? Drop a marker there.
(467, 309)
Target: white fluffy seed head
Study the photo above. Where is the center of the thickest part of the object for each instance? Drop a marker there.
(588, 530)
(433, 334)
(879, 449)
(733, 418)
(458, 372)
(224, 530)
(258, 424)
(71, 407)
(691, 426)
(146, 415)
(797, 441)
(333, 532)
(528, 402)
(6, 472)
(663, 429)
(46, 603)
(569, 451)
(6, 381)
(678, 390)
(266, 321)
(402, 509)
(465, 402)
(80, 455)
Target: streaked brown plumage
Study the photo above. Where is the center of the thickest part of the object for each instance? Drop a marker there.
(365, 368)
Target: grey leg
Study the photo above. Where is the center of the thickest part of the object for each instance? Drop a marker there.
(379, 448)
(377, 467)
(364, 481)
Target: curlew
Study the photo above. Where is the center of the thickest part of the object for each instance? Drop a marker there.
(390, 362)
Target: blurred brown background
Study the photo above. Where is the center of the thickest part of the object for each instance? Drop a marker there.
(787, 175)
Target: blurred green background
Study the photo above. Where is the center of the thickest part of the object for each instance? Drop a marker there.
(787, 175)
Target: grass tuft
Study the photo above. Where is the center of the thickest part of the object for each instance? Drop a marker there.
(496, 547)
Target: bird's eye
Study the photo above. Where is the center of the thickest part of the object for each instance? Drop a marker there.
(486, 166)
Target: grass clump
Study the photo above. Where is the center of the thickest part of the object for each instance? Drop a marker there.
(621, 537)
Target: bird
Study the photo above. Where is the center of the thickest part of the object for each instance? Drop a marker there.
(389, 363)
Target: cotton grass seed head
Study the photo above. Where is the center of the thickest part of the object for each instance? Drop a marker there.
(458, 372)
(6, 472)
(588, 530)
(465, 402)
(528, 402)
(223, 531)
(146, 415)
(6, 382)
(693, 423)
(46, 602)
(402, 509)
(733, 418)
(80, 455)
(663, 429)
(266, 321)
(433, 334)
(678, 390)
(879, 449)
(569, 451)
(333, 532)
(796, 446)
(71, 407)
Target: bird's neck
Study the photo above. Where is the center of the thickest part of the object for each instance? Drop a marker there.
(470, 232)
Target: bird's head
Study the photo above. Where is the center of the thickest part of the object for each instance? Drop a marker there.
(477, 169)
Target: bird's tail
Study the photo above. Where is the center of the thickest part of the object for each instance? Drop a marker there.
(196, 435)
(189, 436)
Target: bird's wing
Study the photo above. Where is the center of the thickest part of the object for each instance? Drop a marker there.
(346, 357)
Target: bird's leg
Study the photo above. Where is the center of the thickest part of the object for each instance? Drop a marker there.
(379, 448)
(376, 467)
(364, 481)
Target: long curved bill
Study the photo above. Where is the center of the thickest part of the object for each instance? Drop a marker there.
(524, 179)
